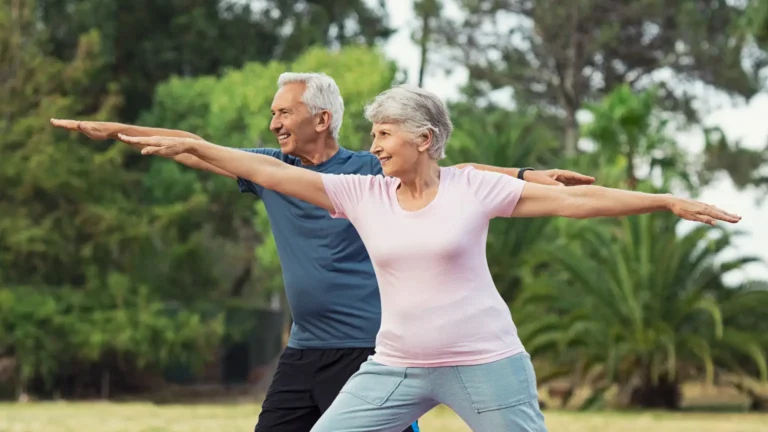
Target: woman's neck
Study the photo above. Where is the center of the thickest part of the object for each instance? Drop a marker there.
(425, 178)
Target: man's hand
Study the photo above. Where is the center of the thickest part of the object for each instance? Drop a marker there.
(161, 146)
(553, 177)
(558, 177)
(93, 130)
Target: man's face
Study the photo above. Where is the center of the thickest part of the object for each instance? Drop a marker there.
(292, 123)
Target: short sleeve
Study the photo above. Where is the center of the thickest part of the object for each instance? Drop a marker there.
(497, 193)
(347, 191)
(247, 186)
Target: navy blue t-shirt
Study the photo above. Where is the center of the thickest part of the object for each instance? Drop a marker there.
(329, 279)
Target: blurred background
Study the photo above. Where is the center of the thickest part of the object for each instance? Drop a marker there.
(157, 288)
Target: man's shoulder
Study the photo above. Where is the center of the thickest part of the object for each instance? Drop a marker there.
(360, 162)
(273, 152)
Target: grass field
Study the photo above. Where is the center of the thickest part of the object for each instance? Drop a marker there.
(140, 417)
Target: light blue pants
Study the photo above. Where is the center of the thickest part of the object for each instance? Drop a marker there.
(499, 397)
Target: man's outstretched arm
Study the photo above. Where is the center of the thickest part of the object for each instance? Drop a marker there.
(552, 177)
(110, 130)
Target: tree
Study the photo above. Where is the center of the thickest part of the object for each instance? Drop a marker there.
(57, 334)
(627, 129)
(147, 42)
(743, 165)
(60, 209)
(74, 227)
(639, 307)
(558, 55)
(755, 24)
(428, 12)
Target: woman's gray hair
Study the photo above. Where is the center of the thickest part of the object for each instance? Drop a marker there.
(417, 110)
(321, 94)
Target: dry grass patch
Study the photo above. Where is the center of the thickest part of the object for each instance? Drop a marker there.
(141, 417)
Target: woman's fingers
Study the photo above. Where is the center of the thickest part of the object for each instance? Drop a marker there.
(705, 213)
(718, 214)
(724, 214)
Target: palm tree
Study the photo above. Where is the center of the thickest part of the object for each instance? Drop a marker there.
(637, 307)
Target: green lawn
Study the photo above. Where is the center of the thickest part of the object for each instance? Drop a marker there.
(141, 417)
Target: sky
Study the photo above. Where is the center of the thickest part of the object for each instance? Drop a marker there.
(745, 121)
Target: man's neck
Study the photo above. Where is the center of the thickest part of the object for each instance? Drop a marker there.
(318, 152)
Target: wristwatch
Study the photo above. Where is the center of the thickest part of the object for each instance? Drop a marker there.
(521, 172)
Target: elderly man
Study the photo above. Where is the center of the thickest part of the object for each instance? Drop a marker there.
(329, 279)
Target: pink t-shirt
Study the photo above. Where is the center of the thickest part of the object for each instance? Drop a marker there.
(439, 304)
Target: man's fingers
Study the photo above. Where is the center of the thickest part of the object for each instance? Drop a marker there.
(542, 178)
(575, 178)
(151, 150)
(65, 124)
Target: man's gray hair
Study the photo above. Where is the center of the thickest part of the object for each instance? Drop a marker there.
(417, 110)
(321, 94)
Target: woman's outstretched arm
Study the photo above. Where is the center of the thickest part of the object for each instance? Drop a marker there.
(596, 201)
(267, 171)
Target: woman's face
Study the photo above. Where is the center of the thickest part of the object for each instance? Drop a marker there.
(397, 149)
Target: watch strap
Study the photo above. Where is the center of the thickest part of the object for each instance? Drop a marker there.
(521, 172)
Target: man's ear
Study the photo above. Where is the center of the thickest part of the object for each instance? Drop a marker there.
(322, 121)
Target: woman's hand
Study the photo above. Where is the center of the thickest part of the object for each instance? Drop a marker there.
(700, 212)
(582, 202)
(161, 146)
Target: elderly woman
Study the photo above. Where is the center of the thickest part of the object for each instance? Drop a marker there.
(425, 229)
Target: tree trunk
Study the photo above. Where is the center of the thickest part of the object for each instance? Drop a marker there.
(424, 41)
(241, 281)
(571, 133)
(105, 379)
(665, 394)
(426, 10)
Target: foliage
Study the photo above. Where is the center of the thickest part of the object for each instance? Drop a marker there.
(63, 208)
(51, 332)
(147, 42)
(626, 128)
(743, 165)
(639, 306)
(559, 55)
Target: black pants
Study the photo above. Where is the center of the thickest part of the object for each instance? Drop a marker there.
(304, 386)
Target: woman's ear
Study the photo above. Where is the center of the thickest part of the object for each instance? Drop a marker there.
(426, 140)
